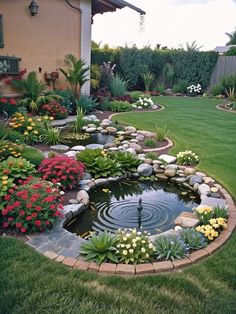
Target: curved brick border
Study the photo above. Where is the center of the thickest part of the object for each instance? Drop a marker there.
(155, 267)
(219, 108)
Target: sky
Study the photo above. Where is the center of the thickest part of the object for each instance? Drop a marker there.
(171, 23)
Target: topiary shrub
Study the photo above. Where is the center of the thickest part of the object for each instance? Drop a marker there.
(63, 170)
(31, 207)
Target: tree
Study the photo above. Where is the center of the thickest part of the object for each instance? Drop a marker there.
(232, 38)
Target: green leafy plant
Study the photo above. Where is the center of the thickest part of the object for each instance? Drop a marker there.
(135, 95)
(161, 132)
(160, 88)
(67, 99)
(193, 239)
(230, 93)
(151, 155)
(33, 155)
(76, 74)
(50, 136)
(217, 90)
(100, 248)
(105, 167)
(34, 92)
(180, 87)
(128, 161)
(8, 149)
(150, 142)
(88, 156)
(78, 123)
(170, 248)
(9, 134)
(187, 157)
(17, 168)
(220, 211)
(120, 106)
(168, 73)
(118, 86)
(148, 79)
(134, 247)
(86, 103)
(31, 207)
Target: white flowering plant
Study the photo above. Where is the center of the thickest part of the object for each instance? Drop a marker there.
(194, 89)
(144, 102)
(187, 157)
(134, 247)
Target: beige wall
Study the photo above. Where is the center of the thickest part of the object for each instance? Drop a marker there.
(42, 40)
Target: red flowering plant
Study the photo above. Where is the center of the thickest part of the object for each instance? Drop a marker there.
(8, 105)
(62, 169)
(54, 109)
(31, 207)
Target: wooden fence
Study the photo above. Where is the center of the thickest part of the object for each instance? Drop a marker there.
(225, 66)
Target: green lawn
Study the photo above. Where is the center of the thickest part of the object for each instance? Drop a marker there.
(30, 283)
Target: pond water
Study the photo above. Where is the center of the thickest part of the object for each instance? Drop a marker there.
(115, 206)
(93, 138)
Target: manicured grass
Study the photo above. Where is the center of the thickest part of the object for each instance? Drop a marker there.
(196, 124)
(30, 283)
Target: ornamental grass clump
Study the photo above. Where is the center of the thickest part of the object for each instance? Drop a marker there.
(31, 207)
(100, 248)
(187, 157)
(134, 247)
(170, 248)
(62, 169)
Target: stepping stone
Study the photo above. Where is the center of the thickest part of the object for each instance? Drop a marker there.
(60, 147)
(67, 253)
(94, 146)
(78, 148)
(168, 158)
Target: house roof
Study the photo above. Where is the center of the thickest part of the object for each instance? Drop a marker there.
(223, 49)
(102, 6)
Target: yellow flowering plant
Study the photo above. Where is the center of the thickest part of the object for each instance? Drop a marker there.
(29, 126)
(208, 231)
(204, 213)
(8, 148)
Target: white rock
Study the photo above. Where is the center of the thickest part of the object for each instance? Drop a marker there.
(168, 158)
(78, 148)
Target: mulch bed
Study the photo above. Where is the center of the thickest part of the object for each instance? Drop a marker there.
(225, 107)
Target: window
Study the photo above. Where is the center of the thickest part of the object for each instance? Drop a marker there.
(13, 62)
(1, 32)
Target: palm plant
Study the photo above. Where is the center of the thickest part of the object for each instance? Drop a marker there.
(95, 76)
(148, 79)
(76, 74)
(232, 38)
(34, 92)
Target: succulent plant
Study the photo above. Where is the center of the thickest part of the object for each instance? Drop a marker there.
(193, 239)
(170, 248)
(100, 248)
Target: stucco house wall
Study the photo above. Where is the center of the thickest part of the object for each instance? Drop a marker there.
(42, 41)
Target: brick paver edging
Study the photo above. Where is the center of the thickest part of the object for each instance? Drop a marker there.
(156, 267)
(223, 109)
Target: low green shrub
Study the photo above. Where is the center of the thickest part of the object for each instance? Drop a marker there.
(33, 155)
(151, 155)
(134, 247)
(120, 106)
(150, 142)
(170, 248)
(217, 90)
(88, 156)
(135, 95)
(180, 87)
(193, 239)
(100, 248)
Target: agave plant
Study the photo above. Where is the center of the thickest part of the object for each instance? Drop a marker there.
(100, 248)
(34, 92)
(76, 74)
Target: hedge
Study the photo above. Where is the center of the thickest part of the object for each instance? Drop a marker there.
(193, 66)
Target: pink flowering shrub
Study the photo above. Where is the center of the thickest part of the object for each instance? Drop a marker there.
(62, 169)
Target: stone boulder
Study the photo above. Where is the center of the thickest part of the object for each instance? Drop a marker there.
(189, 171)
(136, 147)
(195, 179)
(130, 129)
(145, 170)
(168, 158)
(146, 134)
(111, 129)
(170, 172)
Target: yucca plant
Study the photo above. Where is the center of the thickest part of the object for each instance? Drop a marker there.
(230, 93)
(161, 132)
(100, 248)
(76, 74)
(118, 86)
(34, 92)
(148, 79)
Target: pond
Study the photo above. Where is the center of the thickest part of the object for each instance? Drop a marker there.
(93, 138)
(115, 206)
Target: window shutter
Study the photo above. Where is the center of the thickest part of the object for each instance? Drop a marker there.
(1, 32)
